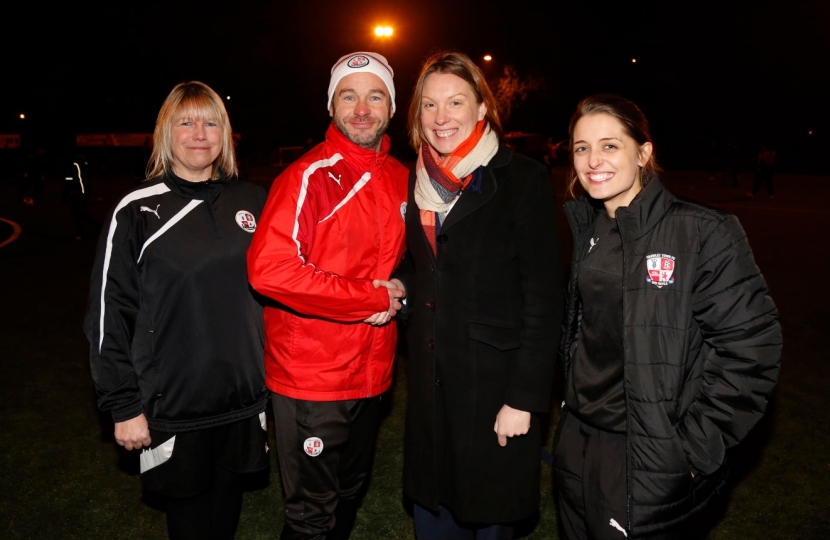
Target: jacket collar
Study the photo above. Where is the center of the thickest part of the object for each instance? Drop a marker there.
(203, 191)
(634, 221)
(358, 157)
(645, 211)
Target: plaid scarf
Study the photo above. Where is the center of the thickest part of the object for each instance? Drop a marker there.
(440, 181)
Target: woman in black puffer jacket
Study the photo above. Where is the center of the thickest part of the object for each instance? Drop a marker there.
(670, 343)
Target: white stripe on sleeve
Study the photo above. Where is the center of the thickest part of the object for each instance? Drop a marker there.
(158, 189)
(304, 191)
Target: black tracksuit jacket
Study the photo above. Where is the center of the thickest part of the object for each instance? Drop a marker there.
(701, 347)
(175, 331)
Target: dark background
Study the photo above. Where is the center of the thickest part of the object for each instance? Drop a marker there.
(706, 72)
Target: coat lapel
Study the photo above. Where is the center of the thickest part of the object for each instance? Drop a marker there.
(470, 200)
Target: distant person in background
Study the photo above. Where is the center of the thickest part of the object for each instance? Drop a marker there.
(766, 169)
(175, 331)
(671, 342)
(35, 170)
(76, 184)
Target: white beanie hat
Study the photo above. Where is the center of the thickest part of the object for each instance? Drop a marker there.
(367, 62)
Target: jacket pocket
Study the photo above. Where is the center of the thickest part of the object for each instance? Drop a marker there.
(503, 338)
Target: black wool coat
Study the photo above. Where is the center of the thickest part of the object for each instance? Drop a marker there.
(483, 325)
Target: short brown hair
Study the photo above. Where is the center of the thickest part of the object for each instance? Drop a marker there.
(194, 100)
(633, 121)
(460, 65)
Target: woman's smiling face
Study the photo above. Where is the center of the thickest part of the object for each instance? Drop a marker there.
(449, 111)
(607, 160)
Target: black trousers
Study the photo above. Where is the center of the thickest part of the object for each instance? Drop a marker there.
(325, 451)
(590, 477)
(203, 479)
(442, 526)
(763, 178)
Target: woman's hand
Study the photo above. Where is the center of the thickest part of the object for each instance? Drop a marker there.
(511, 422)
(132, 434)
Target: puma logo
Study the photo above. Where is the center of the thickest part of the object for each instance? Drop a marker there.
(593, 244)
(336, 179)
(148, 209)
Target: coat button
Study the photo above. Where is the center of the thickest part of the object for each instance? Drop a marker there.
(437, 382)
(442, 238)
(431, 305)
(431, 344)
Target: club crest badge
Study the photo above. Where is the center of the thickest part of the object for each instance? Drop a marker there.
(246, 220)
(313, 446)
(358, 61)
(660, 268)
(403, 210)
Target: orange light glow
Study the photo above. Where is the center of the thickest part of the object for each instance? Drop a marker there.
(383, 31)
(487, 57)
(633, 60)
(22, 116)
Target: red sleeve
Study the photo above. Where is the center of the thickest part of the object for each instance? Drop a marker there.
(278, 259)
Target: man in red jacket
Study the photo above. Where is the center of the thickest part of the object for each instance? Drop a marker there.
(330, 235)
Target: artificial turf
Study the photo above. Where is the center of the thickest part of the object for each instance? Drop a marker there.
(63, 477)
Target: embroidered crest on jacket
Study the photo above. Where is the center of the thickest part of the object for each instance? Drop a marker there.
(660, 268)
(246, 220)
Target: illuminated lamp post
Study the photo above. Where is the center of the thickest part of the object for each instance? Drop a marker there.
(383, 34)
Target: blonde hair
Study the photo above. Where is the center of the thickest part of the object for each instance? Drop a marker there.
(460, 65)
(197, 101)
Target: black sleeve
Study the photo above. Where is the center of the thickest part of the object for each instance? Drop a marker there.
(739, 324)
(537, 241)
(111, 316)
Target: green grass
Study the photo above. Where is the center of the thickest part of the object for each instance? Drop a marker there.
(63, 477)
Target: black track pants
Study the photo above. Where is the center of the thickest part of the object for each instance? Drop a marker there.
(325, 451)
(590, 477)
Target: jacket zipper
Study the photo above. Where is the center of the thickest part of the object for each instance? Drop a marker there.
(625, 391)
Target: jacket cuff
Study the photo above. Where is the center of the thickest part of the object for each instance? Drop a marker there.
(127, 413)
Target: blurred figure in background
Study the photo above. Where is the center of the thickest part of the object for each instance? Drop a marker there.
(76, 184)
(766, 169)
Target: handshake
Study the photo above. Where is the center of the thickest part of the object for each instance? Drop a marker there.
(397, 293)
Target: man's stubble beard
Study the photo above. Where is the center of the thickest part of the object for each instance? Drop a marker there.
(365, 140)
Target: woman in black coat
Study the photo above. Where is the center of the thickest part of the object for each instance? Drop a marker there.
(482, 276)
(671, 341)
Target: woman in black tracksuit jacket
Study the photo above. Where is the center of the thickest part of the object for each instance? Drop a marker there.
(670, 342)
(175, 332)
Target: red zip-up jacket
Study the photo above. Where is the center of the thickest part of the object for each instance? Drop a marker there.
(333, 222)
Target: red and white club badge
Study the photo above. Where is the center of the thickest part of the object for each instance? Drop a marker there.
(313, 446)
(246, 220)
(357, 61)
(660, 268)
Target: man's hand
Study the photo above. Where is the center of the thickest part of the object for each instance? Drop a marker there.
(511, 422)
(132, 434)
(396, 294)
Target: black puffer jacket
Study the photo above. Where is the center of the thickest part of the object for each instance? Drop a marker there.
(701, 346)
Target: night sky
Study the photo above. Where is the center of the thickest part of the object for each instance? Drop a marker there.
(705, 71)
